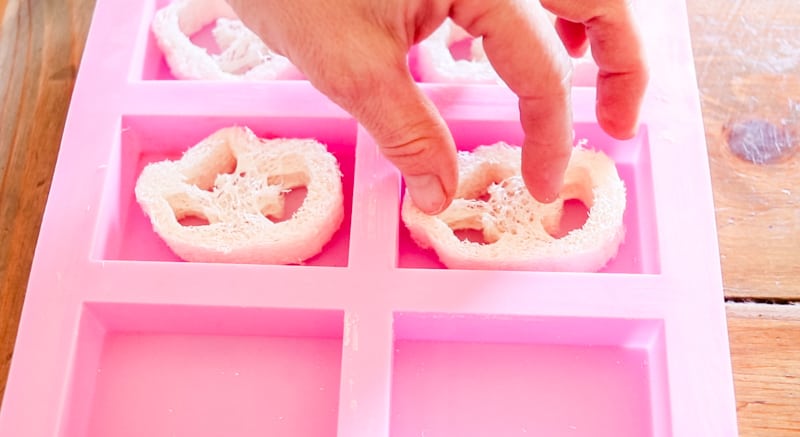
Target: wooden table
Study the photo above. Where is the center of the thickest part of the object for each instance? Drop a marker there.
(748, 63)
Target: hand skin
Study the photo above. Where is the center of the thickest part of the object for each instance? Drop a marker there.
(354, 51)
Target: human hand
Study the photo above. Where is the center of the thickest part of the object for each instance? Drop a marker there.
(354, 51)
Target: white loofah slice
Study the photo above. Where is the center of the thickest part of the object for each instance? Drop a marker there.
(437, 64)
(243, 55)
(235, 181)
(517, 229)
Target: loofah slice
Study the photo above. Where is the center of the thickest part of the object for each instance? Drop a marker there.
(243, 55)
(236, 182)
(518, 231)
(436, 62)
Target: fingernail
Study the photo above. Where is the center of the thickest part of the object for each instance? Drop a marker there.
(427, 193)
(543, 189)
(545, 196)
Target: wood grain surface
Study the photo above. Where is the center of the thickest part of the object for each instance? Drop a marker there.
(41, 42)
(766, 363)
(747, 55)
(748, 63)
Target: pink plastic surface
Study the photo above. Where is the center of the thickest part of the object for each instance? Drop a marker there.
(373, 337)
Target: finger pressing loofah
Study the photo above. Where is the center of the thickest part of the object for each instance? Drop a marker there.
(518, 232)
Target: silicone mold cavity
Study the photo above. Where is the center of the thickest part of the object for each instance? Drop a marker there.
(152, 64)
(532, 374)
(639, 251)
(160, 371)
(126, 233)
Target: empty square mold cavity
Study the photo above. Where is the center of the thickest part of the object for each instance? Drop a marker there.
(125, 232)
(163, 371)
(486, 376)
(638, 253)
(152, 64)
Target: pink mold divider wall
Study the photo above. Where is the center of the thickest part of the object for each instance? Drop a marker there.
(373, 337)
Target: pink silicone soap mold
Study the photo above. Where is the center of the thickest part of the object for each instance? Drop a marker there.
(372, 337)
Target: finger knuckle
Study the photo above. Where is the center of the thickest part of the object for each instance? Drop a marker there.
(407, 148)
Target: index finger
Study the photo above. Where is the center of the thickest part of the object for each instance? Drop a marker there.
(619, 53)
(525, 51)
